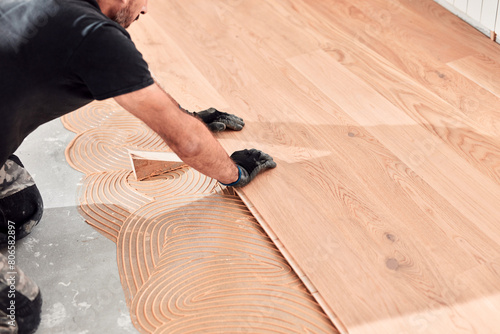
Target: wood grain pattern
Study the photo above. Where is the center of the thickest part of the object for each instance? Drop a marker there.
(384, 119)
(481, 69)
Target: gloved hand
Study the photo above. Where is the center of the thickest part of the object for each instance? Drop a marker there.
(250, 163)
(218, 121)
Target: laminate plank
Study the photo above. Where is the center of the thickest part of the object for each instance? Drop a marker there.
(385, 196)
(387, 123)
(450, 24)
(481, 69)
(172, 67)
(394, 22)
(475, 140)
(370, 110)
(402, 50)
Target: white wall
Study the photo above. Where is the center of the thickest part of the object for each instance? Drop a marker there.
(482, 14)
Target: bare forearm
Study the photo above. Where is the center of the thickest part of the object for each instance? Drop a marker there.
(186, 136)
(197, 147)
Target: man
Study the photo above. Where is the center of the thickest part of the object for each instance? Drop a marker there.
(57, 56)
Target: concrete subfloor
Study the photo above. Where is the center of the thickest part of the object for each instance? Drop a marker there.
(73, 264)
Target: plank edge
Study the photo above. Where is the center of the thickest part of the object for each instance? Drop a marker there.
(296, 268)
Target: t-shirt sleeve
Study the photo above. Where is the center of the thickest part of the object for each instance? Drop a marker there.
(109, 64)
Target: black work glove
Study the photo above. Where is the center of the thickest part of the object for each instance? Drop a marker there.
(219, 121)
(250, 163)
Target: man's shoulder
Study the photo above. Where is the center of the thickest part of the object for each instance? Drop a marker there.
(43, 10)
(85, 17)
(26, 18)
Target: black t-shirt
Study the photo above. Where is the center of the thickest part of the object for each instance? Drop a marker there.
(55, 57)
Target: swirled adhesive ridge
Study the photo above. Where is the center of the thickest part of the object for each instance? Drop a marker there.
(191, 256)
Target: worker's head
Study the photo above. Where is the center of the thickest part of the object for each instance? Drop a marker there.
(123, 12)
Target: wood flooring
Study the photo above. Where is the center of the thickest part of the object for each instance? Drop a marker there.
(383, 117)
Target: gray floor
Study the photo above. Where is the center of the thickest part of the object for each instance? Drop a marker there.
(73, 264)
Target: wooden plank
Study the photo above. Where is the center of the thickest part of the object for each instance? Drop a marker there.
(478, 124)
(481, 69)
(380, 199)
(173, 70)
(466, 96)
(373, 21)
(448, 25)
(387, 122)
(371, 110)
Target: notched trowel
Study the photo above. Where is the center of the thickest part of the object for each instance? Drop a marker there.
(148, 164)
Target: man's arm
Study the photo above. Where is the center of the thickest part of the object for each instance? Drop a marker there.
(189, 138)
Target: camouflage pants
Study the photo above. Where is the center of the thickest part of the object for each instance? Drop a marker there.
(20, 298)
(20, 201)
(21, 209)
